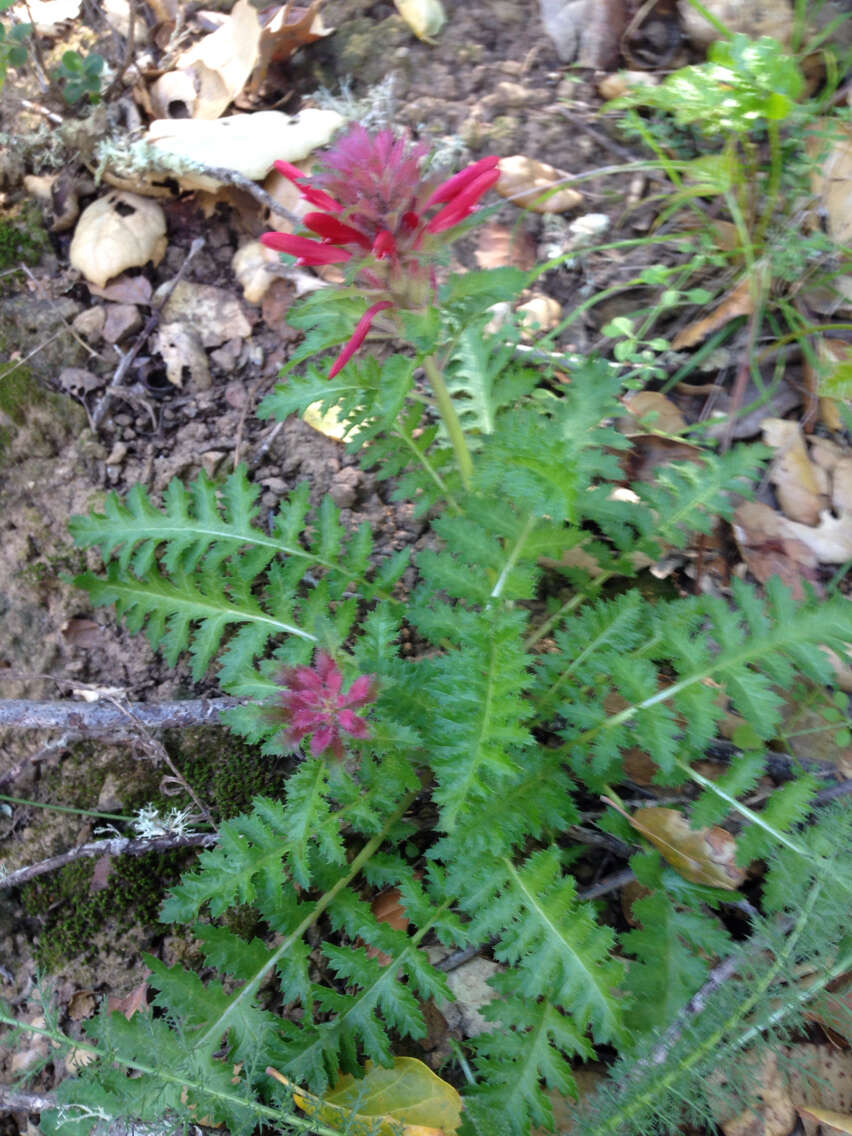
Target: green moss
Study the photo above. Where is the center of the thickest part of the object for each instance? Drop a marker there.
(226, 773)
(75, 919)
(22, 238)
(19, 392)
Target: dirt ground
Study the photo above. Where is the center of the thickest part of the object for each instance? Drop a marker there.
(493, 82)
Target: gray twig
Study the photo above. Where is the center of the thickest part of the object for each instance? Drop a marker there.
(240, 181)
(129, 48)
(152, 321)
(106, 719)
(14, 1100)
(114, 846)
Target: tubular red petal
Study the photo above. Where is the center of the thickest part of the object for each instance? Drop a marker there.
(358, 336)
(463, 203)
(384, 245)
(320, 198)
(333, 230)
(289, 170)
(457, 182)
(310, 252)
(411, 220)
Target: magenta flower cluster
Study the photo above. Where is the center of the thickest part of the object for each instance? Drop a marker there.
(312, 702)
(376, 211)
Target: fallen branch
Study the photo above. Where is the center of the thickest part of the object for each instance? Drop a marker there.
(13, 1100)
(106, 718)
(114, 846)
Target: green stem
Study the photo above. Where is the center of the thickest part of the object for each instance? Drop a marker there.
(662, 1084)
(311, 1127)
(774, 181)
(213, 1035)
(451, 419)
(67, 809)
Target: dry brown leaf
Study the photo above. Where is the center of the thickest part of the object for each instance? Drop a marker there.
(424, 17)
(776, 1115)
(81, 632)
(651, 412)
(252, 266)
(173, 95)
(768, 18)
(221, 63)
(587, 32)
(620, 82)
(820, 1076)
(799, 484)
(539, 314)
(738, 302)
(125, 290)
(535, 185)
(499, 246)
(118, 231)
(770, 549)
(182, 353)
(387, 908)
(82, 1005)
(214, 314)
(134, 1002)
(702, 855)
(830, 540)
(283, 30)
(831, 178)
(565, 1109)
(829, 1122)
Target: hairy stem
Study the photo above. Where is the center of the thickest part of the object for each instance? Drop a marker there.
(214, 1034)
(451, 419)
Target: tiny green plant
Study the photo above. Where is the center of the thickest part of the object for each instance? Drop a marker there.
(79, 76)
(458, 774)
(13, 43)
(735, 133)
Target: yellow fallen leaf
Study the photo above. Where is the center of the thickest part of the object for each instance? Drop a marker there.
(223, 61)
(118, 231)
(424, 17)
(535, 185)
(799, 484)
(738, 302)
(702, 855)
(406, 1100)
(838, 1120)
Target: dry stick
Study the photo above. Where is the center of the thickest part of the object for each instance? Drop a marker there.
(106, 719)
(240, 181)
(158, 752)
(129, 48)
(14, 1100)
(150, 324)
(114, 846)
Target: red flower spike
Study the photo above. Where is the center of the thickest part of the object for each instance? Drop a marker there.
(291, 172)
(464, 202)
(308, 251)
(320, 198)
(313, 703)
(358, 336)
(448, 189)
(372, 201)
(384, 245)
(335, 231)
